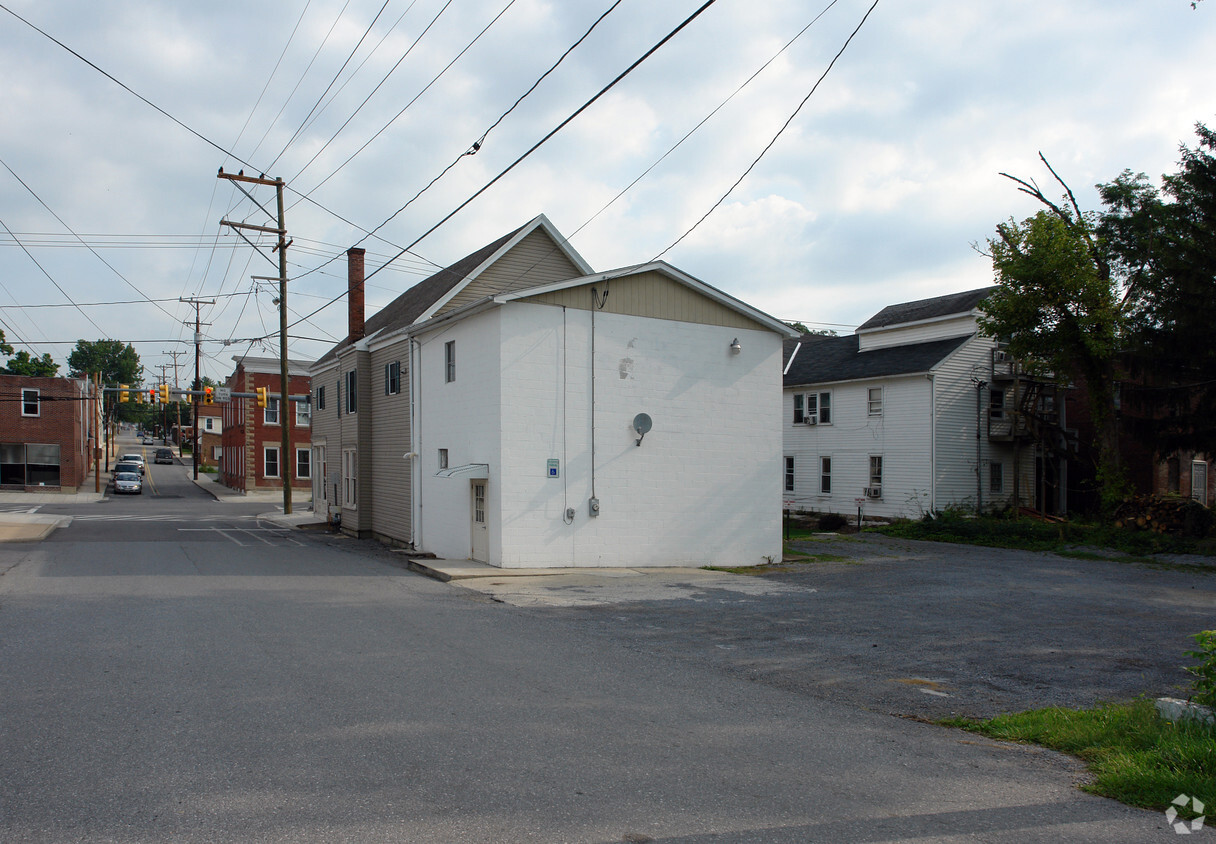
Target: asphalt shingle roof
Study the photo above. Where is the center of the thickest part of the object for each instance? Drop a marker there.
(824, 360)
(939, 306)
(413, 303)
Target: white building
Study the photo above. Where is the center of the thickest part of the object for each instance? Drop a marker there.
(537, 414)
(909, 415)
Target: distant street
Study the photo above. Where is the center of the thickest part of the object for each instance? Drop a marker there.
(174, 668)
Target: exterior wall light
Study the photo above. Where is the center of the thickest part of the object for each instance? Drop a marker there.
(735, 348)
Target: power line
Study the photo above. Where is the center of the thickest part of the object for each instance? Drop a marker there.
(162, 111)
(705, 119)
(354, 50)
(534, 147)
(480, 142)
(780, 131)
(384, 79)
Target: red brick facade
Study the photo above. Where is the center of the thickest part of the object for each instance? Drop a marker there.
(45, 433)
(252, 436)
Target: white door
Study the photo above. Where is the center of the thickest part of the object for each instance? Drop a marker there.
(1199, 482)
(320, 504)
(480, 533)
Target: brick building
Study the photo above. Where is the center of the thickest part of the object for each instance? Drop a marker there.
(46, 428)
(251, 439)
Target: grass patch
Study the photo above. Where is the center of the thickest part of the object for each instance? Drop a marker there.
(792, 562)
(1135, 756)
(1033, 535)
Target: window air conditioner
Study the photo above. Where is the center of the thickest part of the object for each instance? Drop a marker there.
(873, 492)
(810, 420)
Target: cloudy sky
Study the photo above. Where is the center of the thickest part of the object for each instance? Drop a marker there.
(874, 193)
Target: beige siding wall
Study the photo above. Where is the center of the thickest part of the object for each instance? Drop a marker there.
(535, 260)
(956, 481)
(391, 486)
(326, 432)
(651, 294)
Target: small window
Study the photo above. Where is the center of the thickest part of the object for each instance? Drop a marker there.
(449, 361)
(303, 414)
(30, 402)
(789, 474)
(443, 458)
(392, 378)
(874, 403)
(825, 475)
(303, 463)
(320, 398)
(352, 391)
(217, 451)
(271, 415)
(876, 470)
(209, 423)
(272, 462)
(819, 408)
(350, 478)
(996, 404)
(799, 416)
(996, 476)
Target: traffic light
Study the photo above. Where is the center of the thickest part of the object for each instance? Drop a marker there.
(152, 395)
(262, 394)
(123, 395)
(208, 395)
(164, 393)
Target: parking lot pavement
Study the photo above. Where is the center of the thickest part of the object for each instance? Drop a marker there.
(910, 628)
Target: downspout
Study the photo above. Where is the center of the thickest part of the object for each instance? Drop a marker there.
(415, 444)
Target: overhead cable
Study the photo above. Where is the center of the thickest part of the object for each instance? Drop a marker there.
(780, 131)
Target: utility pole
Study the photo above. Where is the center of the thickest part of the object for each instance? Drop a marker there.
(164, 411)
(176, 386)
(286, 458)
(198, 384)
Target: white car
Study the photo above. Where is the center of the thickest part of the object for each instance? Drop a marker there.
(134, 458)
(128, 482)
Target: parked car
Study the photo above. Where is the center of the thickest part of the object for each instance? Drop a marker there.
(124, 466)
(128, 483)
(138, 459)
(163, 455)
(133, 459)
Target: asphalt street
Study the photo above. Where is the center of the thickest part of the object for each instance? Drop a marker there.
(917, 629)
(185, 670)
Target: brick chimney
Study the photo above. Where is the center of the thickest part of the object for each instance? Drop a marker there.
(354, 293)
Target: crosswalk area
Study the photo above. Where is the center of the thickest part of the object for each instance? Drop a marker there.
(165, 517)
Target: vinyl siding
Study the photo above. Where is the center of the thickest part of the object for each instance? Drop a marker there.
(534, 261)
(956, 480)
(390, 487)
(652, 295)
(900, 436)
(906, 335)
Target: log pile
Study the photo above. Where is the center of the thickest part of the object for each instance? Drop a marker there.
(1164, 514)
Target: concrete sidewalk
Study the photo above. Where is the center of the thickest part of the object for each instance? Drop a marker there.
(301, 500)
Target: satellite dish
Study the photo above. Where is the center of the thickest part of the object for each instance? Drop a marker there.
(641, 424)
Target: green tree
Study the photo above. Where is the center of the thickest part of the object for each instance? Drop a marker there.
(23, 364)
(1058, 306)
(118, 364)
(1165, 243)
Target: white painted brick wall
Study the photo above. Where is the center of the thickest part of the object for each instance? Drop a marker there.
(703, 488)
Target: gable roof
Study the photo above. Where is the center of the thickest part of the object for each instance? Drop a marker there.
(667, 271)
(927, 309)
(419, 302)
(819, 359)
